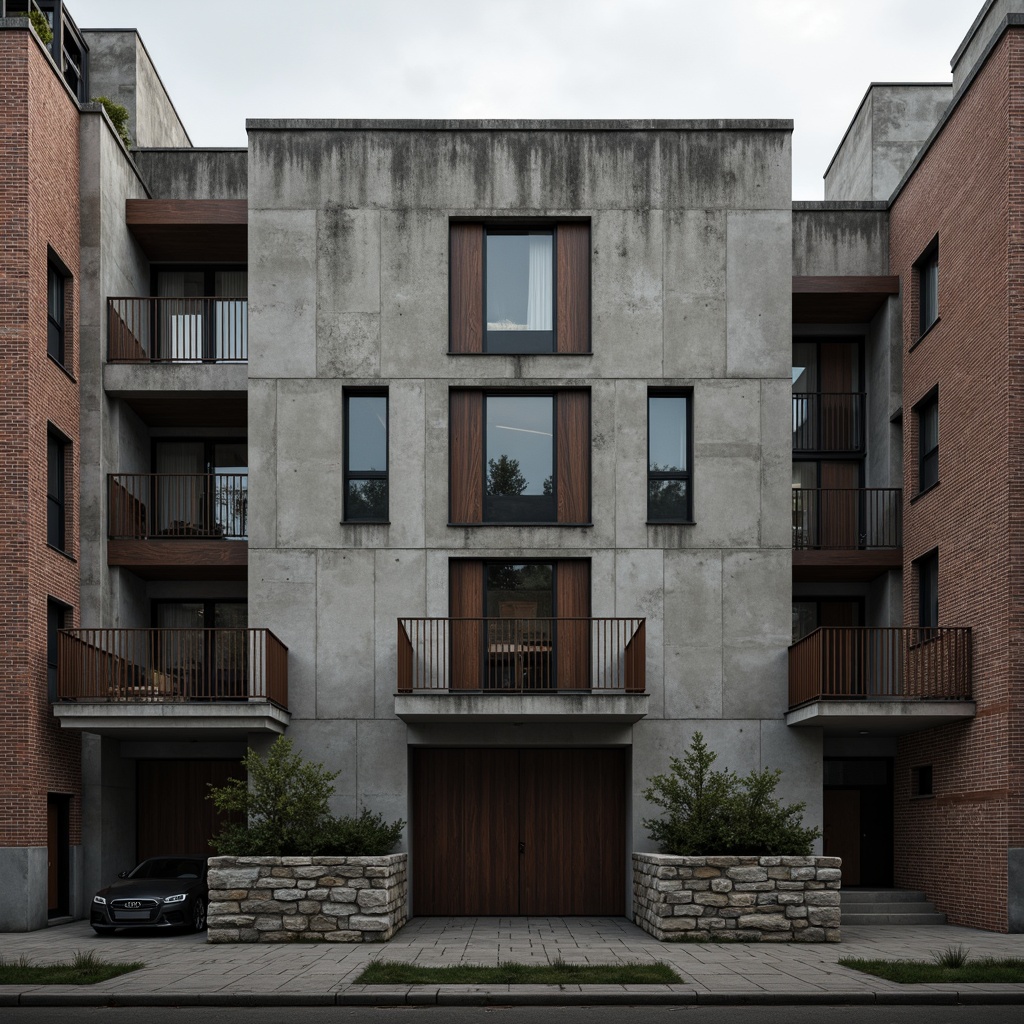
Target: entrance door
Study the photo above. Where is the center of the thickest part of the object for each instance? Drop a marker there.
(58, 855)
(858, 825)
(510, 832)
(174, 815)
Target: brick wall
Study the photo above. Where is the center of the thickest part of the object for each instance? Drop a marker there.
(968, 191)
(38, 208)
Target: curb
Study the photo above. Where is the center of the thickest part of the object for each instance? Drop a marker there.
(434, 996)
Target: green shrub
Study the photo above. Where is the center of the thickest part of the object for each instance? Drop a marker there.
(284, 812)
(40, 24)
(710, 811)
(118, 115)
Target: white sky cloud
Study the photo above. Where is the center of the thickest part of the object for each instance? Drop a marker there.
(809, 60)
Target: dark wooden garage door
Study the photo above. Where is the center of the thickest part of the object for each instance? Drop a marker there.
(507, 832)
(173, 814)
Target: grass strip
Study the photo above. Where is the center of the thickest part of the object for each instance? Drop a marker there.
(920, 972)
(394, 972)
(82, 969)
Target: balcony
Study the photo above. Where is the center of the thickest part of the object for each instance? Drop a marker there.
(830, 422)
(178, 682)
(179, 525)
(846, 533)
(882, 681)
(179, 361)
(535, 669)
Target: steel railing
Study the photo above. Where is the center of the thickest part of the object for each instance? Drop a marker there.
(164, 665)
(177, 330)
(849, 517)
(828, 421)
(142, 506)
(502, 655)
(881, 663)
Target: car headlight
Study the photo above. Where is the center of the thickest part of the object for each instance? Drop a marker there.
(99, 899)
(180, 898)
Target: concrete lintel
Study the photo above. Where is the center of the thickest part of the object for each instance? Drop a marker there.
(446, 706)
(879, 717)
(136, 720)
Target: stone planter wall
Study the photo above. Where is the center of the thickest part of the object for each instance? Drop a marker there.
(752, 899)
(282, 899)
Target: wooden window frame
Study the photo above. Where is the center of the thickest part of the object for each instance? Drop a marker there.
(467, 456)
(346, 474)
(571, 293)
(686, 475)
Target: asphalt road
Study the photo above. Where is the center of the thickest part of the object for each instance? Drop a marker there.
(525, 1015)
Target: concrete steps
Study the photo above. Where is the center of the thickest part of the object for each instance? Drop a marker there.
(888, 907)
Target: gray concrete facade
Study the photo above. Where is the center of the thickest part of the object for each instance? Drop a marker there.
(691, 242)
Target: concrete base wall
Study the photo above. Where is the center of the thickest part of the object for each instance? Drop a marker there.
(23, 896)
(741, 899)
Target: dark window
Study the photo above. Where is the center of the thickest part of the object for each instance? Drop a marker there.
(519, 449)
(669, 447)
(928, 441)
(921, 781)
(56, 620)
(928, 288)
(54, 313)
(56, 452)
(928, 590)
(520, 288)
(366, 457)
(520, 458)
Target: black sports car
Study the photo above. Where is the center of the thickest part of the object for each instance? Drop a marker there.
(162, 892)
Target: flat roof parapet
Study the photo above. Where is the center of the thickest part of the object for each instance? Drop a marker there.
(490, 125)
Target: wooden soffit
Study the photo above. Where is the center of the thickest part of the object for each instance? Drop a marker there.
(191, 230)
(840, 300)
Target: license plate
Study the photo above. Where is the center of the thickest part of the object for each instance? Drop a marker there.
(131, 915)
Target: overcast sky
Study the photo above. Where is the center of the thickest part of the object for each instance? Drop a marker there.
(809, 60)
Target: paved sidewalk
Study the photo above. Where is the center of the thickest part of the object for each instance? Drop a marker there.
(185, 970)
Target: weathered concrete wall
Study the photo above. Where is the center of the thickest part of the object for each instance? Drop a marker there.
(288, 899)
(887, 132)
(739, 899)
(194, 173)
(836, 239)
(691, 252)
(120, 68)
(980, 36)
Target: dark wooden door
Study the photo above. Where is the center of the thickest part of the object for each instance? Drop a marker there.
(53, 858)
(508, 832)
(173, 813)
(840, 505)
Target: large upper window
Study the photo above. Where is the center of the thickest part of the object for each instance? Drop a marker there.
(56, 450)
(927, 412)
(366, 457)
(927, 268)
(520, 458)
(669, 493)
(520, 288)
(55, 313)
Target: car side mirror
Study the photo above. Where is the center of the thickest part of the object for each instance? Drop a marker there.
(122, 874)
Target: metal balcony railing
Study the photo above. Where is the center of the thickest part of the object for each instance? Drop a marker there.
(165, 665)
(849, 517)
(144, 506)
(828, 421)
(881, 663)
(177, 330)
(509, 655)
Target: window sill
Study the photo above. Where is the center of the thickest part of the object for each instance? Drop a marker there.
(531, 524)
(63, 369)
(365, 522)
(671, 522)
(927, 490)
(921, 337)
(62, 552)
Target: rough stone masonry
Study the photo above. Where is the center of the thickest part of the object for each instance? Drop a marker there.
(744, 899)
(283, 899)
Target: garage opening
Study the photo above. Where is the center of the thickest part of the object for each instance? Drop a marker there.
(503, 832)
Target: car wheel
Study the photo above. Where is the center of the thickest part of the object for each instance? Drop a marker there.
(102, 931)
(199, 915)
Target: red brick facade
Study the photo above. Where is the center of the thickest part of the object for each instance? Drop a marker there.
(39, 199)
(969, 192)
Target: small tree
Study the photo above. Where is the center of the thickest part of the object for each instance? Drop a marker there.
(284, 805)
(504, 477)
(710, 811)
(40, 24)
